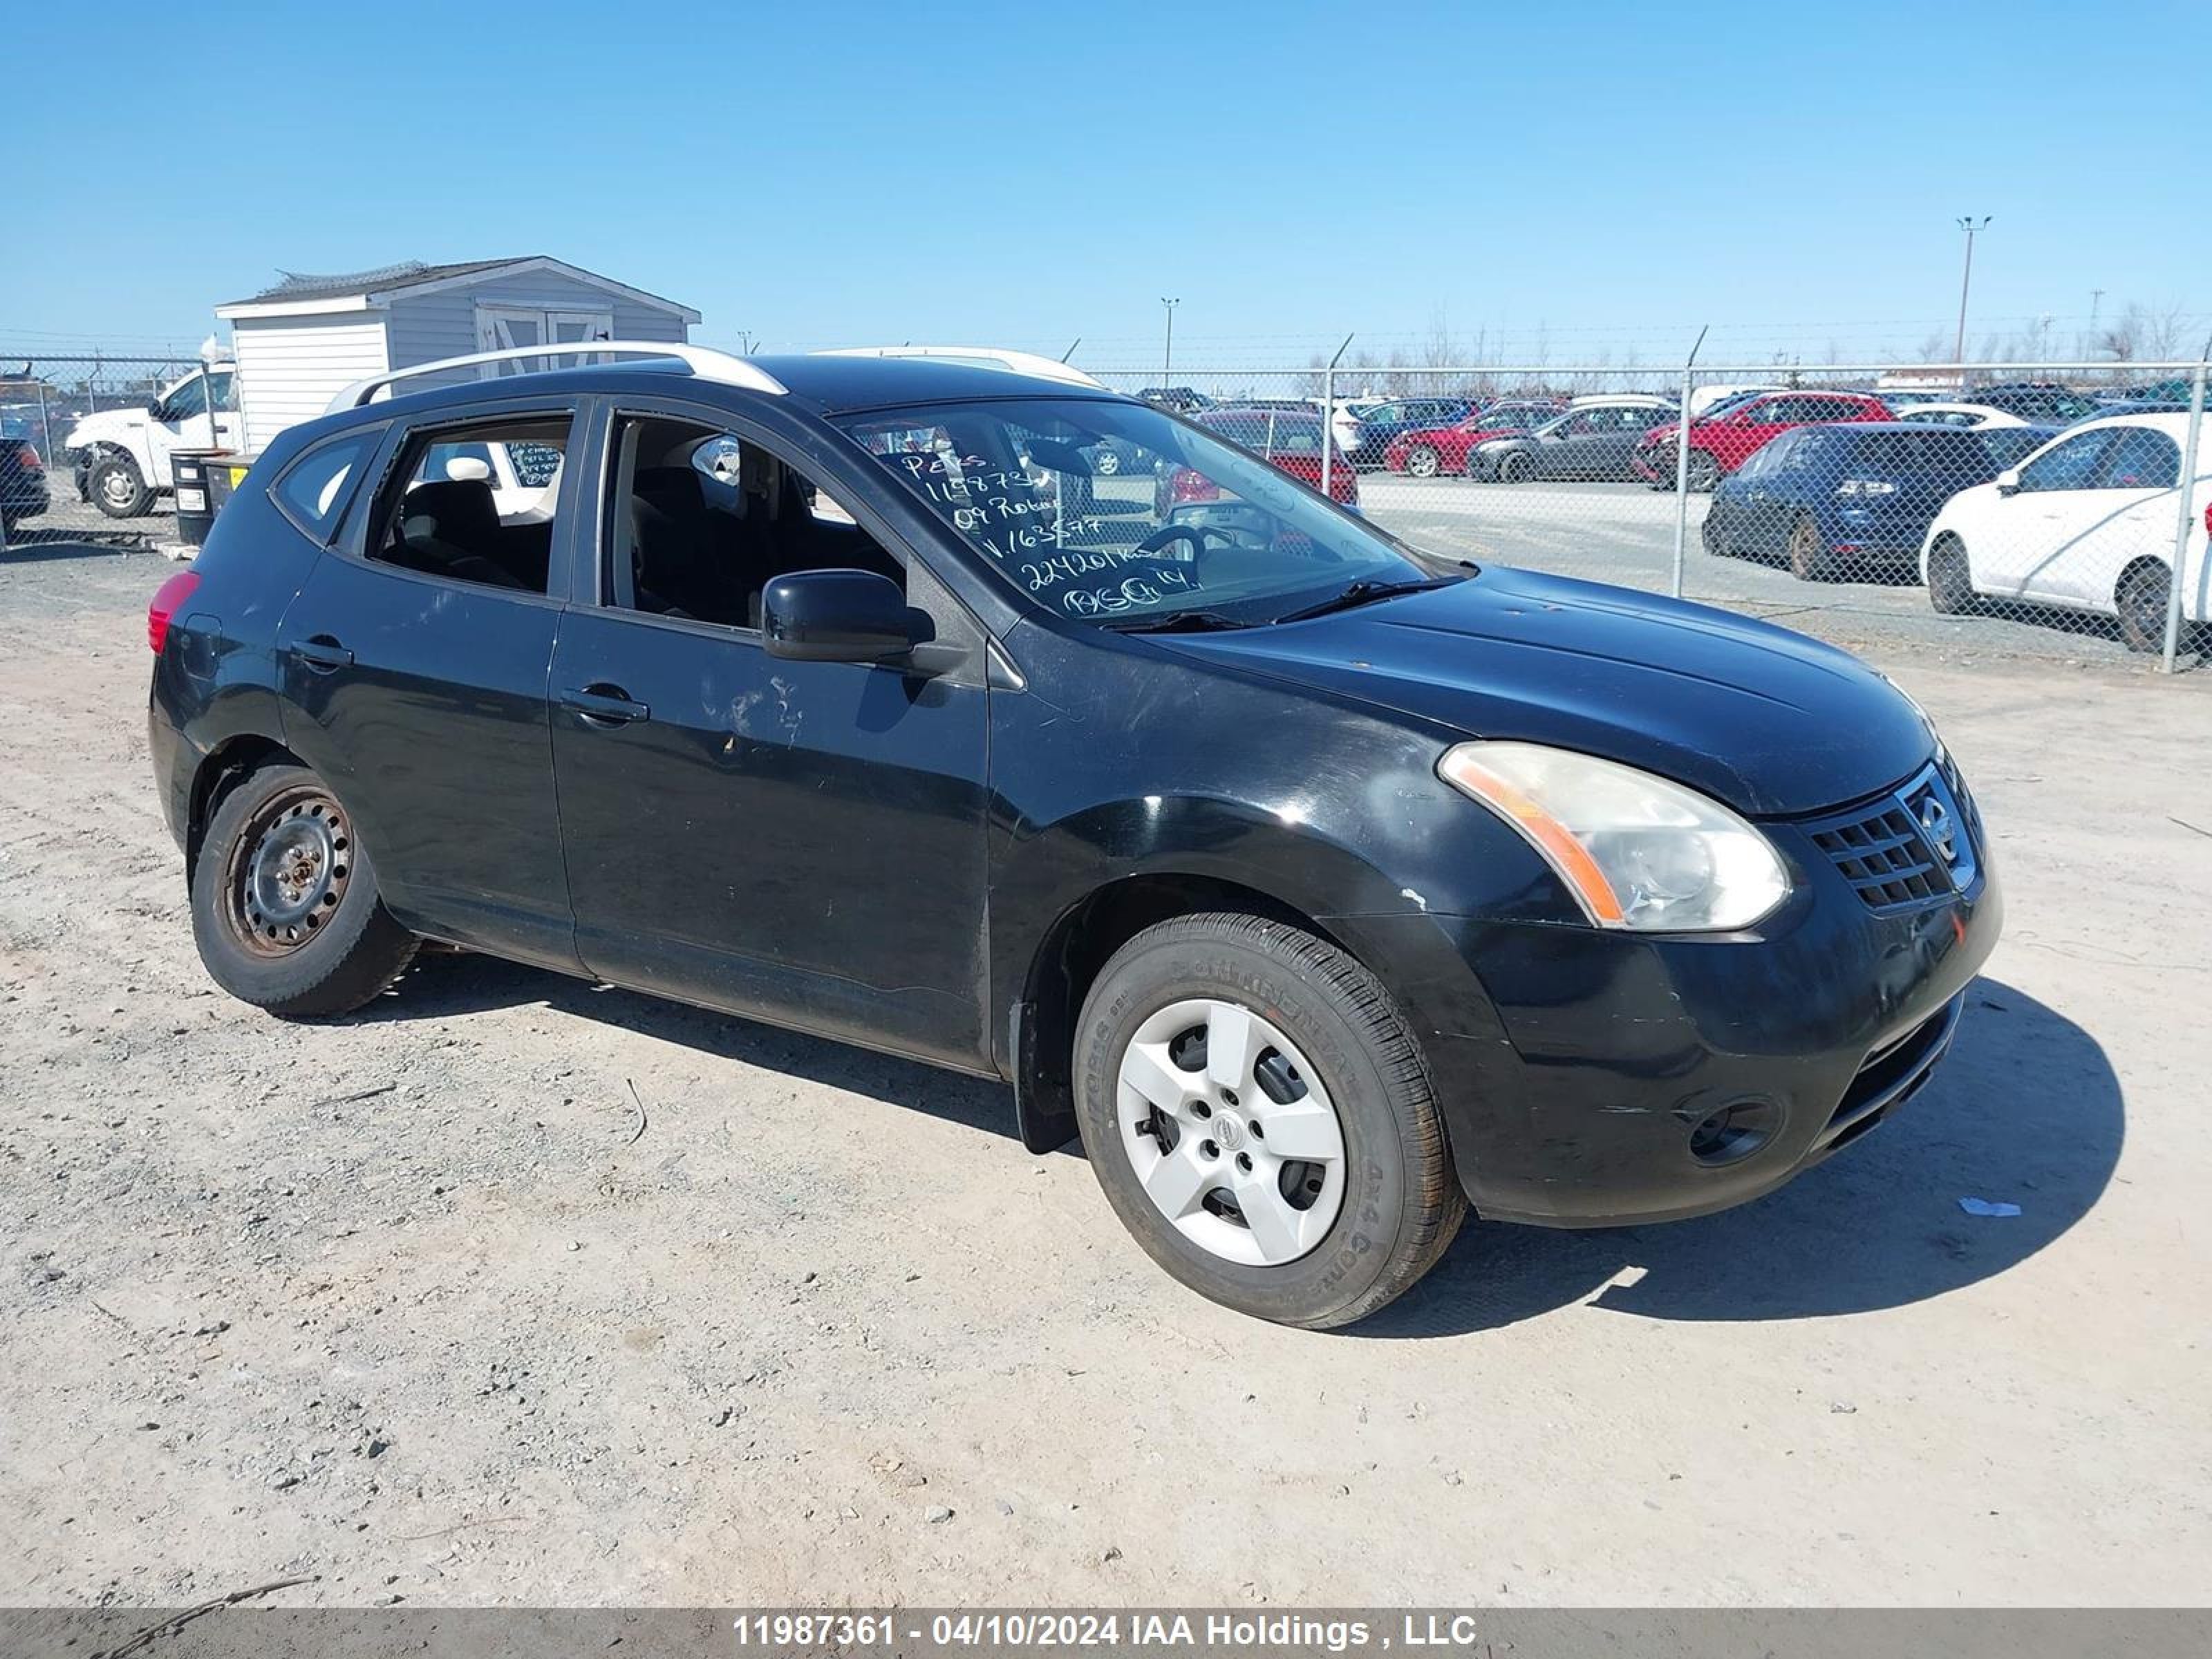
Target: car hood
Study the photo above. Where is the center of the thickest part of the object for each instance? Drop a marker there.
(1771, 722)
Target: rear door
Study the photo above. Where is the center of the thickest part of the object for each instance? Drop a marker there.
(412, 671)
(2132, 519)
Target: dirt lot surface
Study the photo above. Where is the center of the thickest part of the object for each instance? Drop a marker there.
(421, 1304)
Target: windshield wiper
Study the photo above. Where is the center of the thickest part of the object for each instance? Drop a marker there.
(1365, 592)
(1180, 622)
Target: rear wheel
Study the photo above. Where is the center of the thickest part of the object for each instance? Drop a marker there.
(1515, 468)
(2141, 600)
(285, 907)
(1259, 1116)
(118, 488)
(1711, 538)
(1951, 578)
(1421, 461)
(1107, 464)
(1809, 558)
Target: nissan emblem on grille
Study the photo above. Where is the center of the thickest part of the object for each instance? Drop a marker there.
(1935, 824)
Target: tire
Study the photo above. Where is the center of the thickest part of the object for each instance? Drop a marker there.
(1422, 462)
(1704, 471)
(1515, 468)
(118, 488)
(322, 946)
(1951, 579)
(1323, 1051)
(1662, 469)
(2140, 599)
(1711, 539)
(1107, 465)
(1809, 558)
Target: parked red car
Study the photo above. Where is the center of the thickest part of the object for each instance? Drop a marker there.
(1290, 440)
(1435, 449)
(1720, 445)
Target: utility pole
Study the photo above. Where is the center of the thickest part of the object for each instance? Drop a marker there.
(1167, 356)
(1970, 225)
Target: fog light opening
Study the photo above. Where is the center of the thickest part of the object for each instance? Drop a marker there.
(1734, 1133)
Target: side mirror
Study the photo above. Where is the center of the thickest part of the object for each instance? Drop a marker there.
(2008, 482)
(836, 616)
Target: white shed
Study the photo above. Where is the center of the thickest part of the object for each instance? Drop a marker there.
(303, 341)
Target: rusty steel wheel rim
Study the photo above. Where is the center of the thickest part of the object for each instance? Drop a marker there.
(287, 872)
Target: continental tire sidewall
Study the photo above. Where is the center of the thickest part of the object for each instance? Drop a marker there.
(1339, 1279)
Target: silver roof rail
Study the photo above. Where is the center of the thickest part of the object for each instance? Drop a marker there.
(1019, 362)
(707, 364)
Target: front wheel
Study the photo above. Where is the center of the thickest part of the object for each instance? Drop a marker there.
(1705, 472)
(285, 907)
(2141, 600)
(118, 488)
(1107, 465)
(1260, 1117)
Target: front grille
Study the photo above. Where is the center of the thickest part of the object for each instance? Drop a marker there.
(1910, 848)
(1881, 854)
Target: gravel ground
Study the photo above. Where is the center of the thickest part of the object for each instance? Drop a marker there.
(516, 1289)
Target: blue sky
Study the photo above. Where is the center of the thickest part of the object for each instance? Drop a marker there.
(1591, 179)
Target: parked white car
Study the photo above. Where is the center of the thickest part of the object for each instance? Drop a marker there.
(2086, 523)
(120, 457)
(1966, 415)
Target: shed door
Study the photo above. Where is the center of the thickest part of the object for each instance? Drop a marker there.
(499, 327)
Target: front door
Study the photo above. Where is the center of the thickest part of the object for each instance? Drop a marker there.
(184, 421)
(800, 840)
(412, 667)
(2034, 532)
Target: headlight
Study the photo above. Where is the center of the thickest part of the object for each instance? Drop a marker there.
(1639, 852)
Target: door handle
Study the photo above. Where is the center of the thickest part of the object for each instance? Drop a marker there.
(322, 653)
(605, 705)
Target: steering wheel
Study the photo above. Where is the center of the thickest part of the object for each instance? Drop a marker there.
(1195, 534)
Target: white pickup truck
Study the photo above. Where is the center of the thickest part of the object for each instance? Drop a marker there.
(120, 457)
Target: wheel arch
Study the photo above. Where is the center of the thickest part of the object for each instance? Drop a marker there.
(1067, 961)
(228, 764)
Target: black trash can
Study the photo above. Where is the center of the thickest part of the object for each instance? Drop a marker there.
(196, 504)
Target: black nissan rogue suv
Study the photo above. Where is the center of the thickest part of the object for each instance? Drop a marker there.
(1322, 887)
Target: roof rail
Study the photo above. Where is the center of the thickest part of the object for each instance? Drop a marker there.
(707, 365)
(1019, 362)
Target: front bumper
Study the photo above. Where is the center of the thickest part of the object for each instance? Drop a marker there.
(1575, 1066)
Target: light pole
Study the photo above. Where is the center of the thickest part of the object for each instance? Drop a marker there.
(1167, 356)
(1968, 223)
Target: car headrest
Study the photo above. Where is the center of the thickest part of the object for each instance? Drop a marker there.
(459, 512)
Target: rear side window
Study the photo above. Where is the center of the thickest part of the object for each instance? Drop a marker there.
(475, 502)
(315, 489)
(2142, 459)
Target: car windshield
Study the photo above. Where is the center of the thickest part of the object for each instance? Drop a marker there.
(1187, 525)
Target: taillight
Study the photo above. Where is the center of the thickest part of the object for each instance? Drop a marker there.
(2208, 518)
(168, 599)
(27, 459)
(1343, 483)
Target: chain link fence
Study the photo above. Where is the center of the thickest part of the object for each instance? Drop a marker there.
(2016, 509)
(86, 442)
(2021, 509)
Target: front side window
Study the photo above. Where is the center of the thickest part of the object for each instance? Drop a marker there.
(2072, 465)
(447, 513)
(1193, 525)
(185, 399)
(700, 520)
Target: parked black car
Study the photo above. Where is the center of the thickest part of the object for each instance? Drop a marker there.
(1319, 889)
(1184, 400)
(1378, 425)
(1833, 498)
(24, 492)
(1594, 440)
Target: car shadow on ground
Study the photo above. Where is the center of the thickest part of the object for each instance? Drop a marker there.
(2026, 1110)
(446, 983)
